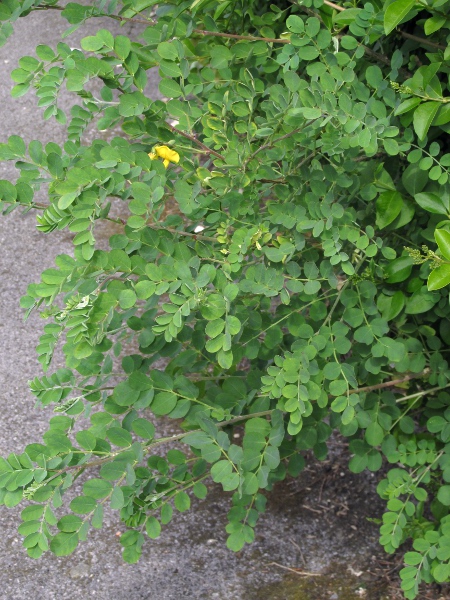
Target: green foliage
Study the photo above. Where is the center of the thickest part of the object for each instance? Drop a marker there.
(284, 252)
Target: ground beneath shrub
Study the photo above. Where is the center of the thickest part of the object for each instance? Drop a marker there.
(314, 542)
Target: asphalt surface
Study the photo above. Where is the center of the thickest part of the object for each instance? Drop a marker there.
(190, 560)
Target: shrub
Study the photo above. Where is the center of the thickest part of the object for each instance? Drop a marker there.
(284, 253)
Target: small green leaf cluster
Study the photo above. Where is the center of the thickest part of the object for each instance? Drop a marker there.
(279, 267)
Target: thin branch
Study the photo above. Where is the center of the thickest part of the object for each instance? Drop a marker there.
(283, 137)
(204, 32)
(281, 180)
(392, 383)
(407, 36)
(180, 436)
(422, 393)
(235, 36)
(128, 19)
(195, 141)
(416, 38)
(306, 159)
(173, 438)
(358, 159)
(35, 205)
(196, 236)
(53, 7)
(335, 6)
(381, 58)
(253, 38)
(336, 302)
(296, 571)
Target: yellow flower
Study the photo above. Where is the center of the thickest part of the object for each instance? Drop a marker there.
(167, 154)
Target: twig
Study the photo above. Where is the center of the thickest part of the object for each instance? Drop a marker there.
(296, 571)
(283, 137)
(363, 158)
(197, 236)
(195, 141)
(422, 393)
(128, 19)
(385, 384)
(157, 442)
(101, 284)
(180, 436)
(416, 38)
(254, 38)
(319, 512)
(52, 7)
(408, 36)
(281, 180)
(299, 550)
(335, 6)
(382, 58)
(336, 302)
(235, 36)
(324, 479)
(35, 205)
(151, 22)
(306, 159)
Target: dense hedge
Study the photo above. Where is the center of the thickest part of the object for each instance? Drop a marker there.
(284, 248)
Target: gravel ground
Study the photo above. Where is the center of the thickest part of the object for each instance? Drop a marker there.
(316, 524)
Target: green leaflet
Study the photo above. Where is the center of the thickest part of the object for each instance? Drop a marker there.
(396, 12)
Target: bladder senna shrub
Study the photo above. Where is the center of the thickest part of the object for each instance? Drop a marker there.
(298, 288)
